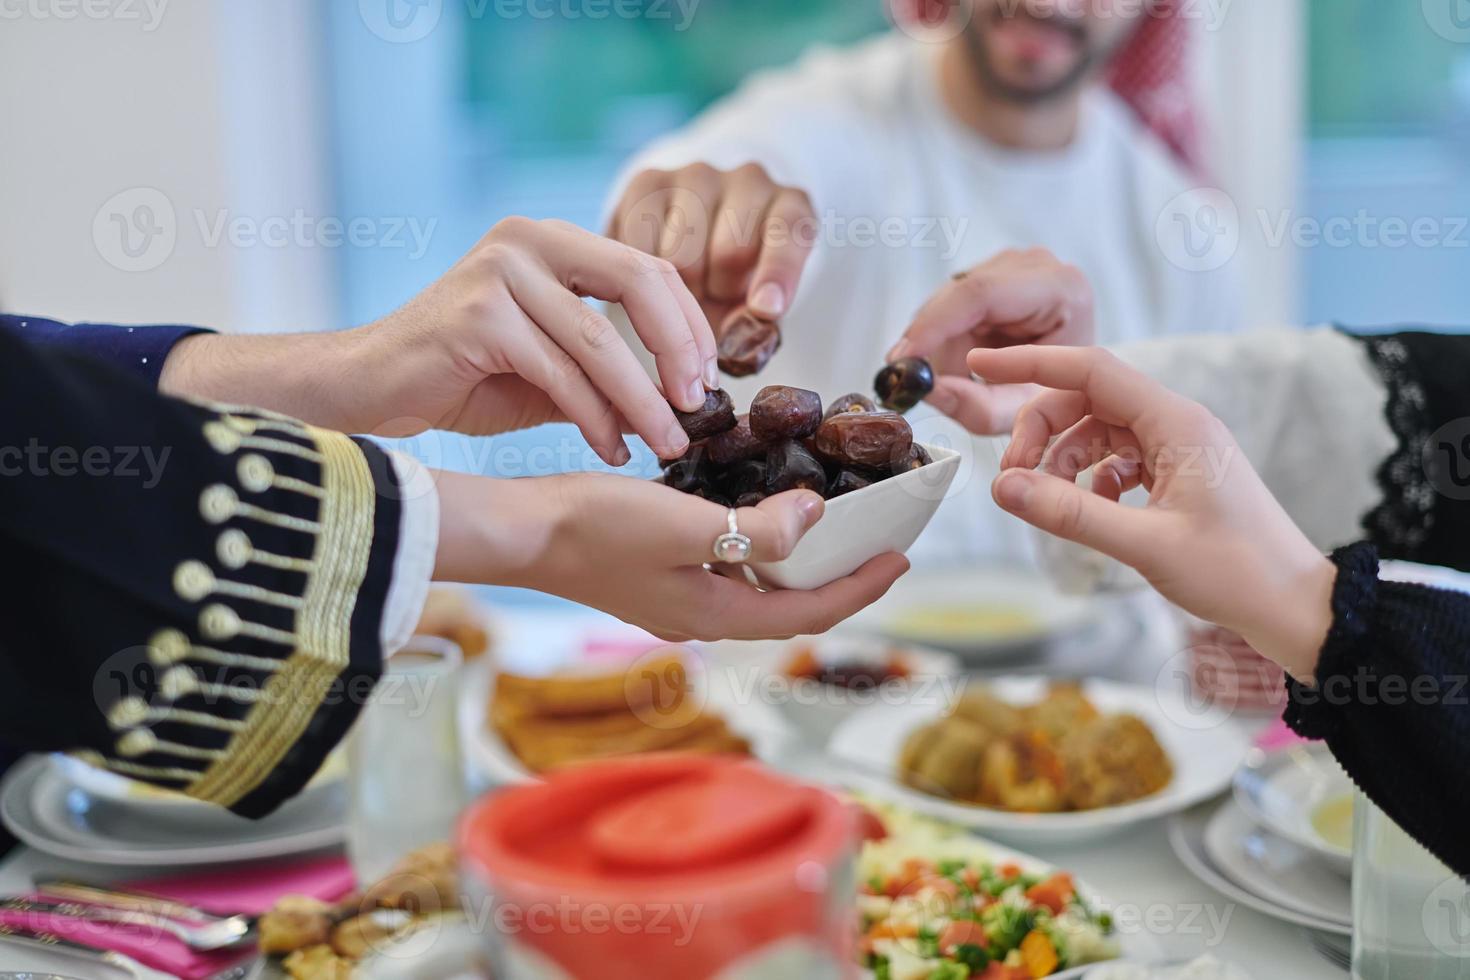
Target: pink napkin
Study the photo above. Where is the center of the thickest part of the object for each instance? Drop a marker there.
(1278, 736)
(249, 890)
(619, 650)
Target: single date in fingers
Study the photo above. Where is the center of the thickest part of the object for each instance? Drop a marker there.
(747, 343)
(904, 383)
(717, 415)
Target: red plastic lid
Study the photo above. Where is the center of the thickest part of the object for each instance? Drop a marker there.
(685, 822)
(700, 821)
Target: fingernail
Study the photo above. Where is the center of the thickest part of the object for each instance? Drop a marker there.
(696, 395)
(943, 399)
(900, 349)
(769, 300)
(1013, 491)
(712, 374)
(676, 442)
(621, 456)
(811, 507)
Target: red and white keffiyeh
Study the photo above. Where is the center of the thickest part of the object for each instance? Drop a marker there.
(1152, 74)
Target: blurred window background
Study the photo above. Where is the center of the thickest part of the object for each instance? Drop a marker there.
(1388, 147)
(533, 110)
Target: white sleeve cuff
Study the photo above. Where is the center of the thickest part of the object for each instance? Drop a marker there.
(418, 547)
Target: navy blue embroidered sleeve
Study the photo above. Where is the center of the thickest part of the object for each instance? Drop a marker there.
(138, 350)
(196, 591)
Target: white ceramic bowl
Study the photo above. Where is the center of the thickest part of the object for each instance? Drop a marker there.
(1282, 790)
(813, 709)
(864, 524)
(983, 614)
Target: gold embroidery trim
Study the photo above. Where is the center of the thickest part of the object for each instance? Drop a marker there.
(323, 628)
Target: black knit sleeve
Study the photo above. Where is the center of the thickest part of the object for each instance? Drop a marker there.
(1424, 515)
(1392, 701)
(194, 593)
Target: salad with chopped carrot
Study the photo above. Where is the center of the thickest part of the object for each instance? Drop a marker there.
(934, 906)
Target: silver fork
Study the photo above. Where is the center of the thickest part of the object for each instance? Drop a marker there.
(204, 936)
(46, 941)
(240, 925)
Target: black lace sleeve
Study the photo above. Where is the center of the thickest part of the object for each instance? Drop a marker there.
(1425, 512)
(1392, 700)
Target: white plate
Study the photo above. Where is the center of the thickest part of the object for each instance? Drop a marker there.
(745, 713)
(1187, 840)
(161, 804)
(1282, 791)
(1042, 613)
(1204, 757)
(1276, 869)
(812, 709)
(50, 814)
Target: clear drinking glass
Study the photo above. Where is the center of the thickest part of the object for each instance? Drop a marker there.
(406, 783)
(1411, 914)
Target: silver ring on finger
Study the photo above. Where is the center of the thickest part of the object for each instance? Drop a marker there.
(732, 547)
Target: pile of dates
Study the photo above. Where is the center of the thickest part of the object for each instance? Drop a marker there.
(788, 441)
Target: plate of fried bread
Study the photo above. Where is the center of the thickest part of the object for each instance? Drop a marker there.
(1036, 760)
(662, 701)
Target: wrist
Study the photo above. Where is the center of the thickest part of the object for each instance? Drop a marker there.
(498, 531)
(331, 371)
(179, 376)
(1296, 629)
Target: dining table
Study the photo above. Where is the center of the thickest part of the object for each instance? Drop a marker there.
(1147, 886)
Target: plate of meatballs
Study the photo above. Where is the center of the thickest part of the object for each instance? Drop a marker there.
(1029, 759)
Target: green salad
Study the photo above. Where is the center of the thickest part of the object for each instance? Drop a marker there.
(934, 905)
